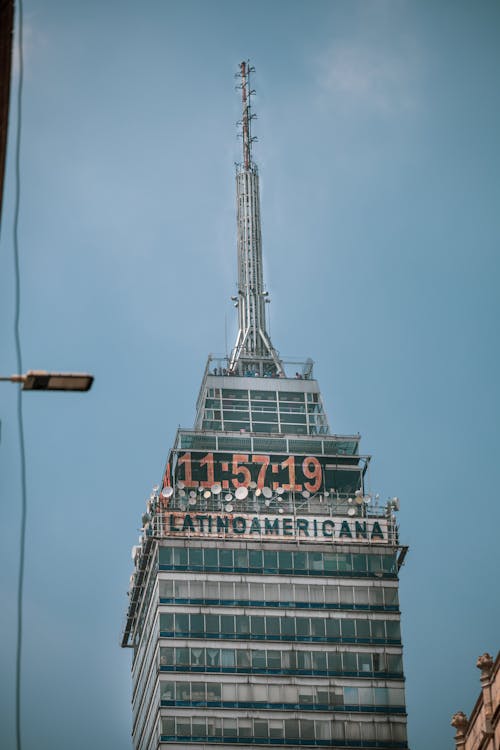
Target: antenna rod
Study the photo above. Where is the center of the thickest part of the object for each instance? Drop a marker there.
(245, 120)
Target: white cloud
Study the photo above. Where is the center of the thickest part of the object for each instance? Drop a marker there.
(368, 76)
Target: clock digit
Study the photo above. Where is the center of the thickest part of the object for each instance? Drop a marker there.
(264, 460)
(289, 464)
(314, 473)
(185, 461)
(208, 461)
(242, 471)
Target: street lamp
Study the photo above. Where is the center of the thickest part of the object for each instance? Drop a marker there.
(40, 380)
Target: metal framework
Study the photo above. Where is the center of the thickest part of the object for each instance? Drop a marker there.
(253, 351)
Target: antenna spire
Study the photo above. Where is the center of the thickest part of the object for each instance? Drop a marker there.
(246, 95)
(253, 351)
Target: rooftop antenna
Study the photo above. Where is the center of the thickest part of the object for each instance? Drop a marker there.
(253, 351)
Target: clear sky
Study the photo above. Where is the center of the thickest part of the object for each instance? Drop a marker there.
(378, 127)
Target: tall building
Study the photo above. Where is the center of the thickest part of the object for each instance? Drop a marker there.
(263, 609)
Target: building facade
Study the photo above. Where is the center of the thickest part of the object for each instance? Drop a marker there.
(481, 731)
(263, 608)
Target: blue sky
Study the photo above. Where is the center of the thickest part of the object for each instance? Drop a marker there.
(378, 149)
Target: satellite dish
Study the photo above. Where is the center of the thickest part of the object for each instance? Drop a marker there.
(156, 488)
(358, 493)
(181, 485)
(267, 502)
(367, 499)
(279, 490)
(306, 493)
(192, 500)
(216, 488)
(228, 497)
(351, 512)
(182, 506)
(182, 493)
(167, 491)
(349, 500)
(201, 488)
(359, 499)
(229, 508)
(258, 493)
(280, 510)
(326, 493)
(192, 493)
(207, 494)
(134, 551)
(253, 485)
(241, 493)
(267, 492)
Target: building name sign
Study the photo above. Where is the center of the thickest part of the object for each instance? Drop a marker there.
(247, 526)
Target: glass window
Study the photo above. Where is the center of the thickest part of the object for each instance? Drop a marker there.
(226, 558)
(213, 692)
(166, 656)
(346, 595)
(392, 629)
(331, 594)
(316, 561)
(394, 663)
(270, 561)
(196, 557)
(210, 557)
(303, 627)
(273, 626)
(243, 659)
(182, 623)
(255, 559)
(307, 729)
(182, 657)
(197, 624)
(166, 589)
(319, 660)
(212, 626)
(365, 662)
(183, 727)
(242, 624)
(258, 625)
(391, 596)
(227, 624)
(300, 561)
(330, 562)
(334, 661)
(348, 628)
(377, 596)
(182, 691)
(197, 657)
(351, 696)
(199, 727)
(167, 691)
(168, 726)
(258, 659)
(273, 660)
(287, 626)
(381, 696)
(318, 627)
(350, 662)
(241, 558)
(333, 628)
(245, 728)
(213, 657)
(365, 696)
(167, 622)
(180, 556)
(378, 630)
(285, 561)
(292, 729)
(229, 728)
(361, 595)
(363, 629)
(260, 728)
(165, 556)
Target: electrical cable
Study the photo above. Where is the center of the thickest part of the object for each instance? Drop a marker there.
(17, 336)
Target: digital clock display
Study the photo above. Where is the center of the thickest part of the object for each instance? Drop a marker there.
(292, 473)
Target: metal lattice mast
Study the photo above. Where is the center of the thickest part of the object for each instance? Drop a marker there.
(253, 347)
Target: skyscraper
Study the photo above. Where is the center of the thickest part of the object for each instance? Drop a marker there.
(263, 608)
